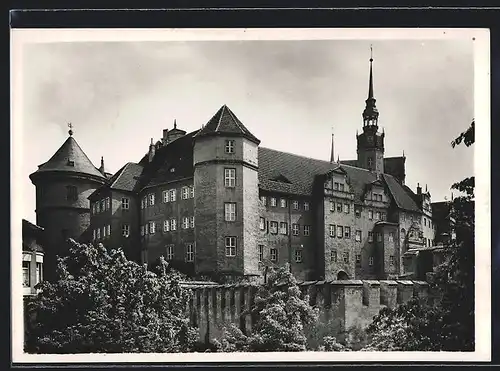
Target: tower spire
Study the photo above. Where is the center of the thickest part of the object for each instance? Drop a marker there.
(70, 131)
(370, 114)
(332, 154)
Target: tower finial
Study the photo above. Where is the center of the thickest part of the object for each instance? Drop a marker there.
(175, 124)
(70, 131)
(332, 155)
(370, 114)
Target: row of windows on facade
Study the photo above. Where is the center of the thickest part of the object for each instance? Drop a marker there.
(27, 273)
(169, 195)
(189, 252)
(346, 258)
(273, 201)
(340, 231)
(168, 225)
(346, 209)
(106, 232)
(283, 228)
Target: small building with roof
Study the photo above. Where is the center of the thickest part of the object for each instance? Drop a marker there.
(33, 256)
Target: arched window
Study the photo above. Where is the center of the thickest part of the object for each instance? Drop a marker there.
(342, 276)
(370, 162)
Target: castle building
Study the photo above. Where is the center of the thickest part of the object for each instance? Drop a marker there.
(214, 202)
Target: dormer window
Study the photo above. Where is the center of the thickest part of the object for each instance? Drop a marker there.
(71, 163)
(229, 147)
(172, 169)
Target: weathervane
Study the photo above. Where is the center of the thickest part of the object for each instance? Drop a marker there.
(70, 126)
(371, 53)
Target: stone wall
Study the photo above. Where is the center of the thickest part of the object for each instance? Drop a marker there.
(342, 304)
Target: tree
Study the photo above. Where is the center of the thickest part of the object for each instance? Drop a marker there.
(446, 324)
(102, 302)
(282, 314)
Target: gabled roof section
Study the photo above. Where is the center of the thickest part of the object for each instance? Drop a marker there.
(171, 163)
(280, 178)
(127, 178)
(70, 158)
(401, 194)
(225, 122)
(299, 170)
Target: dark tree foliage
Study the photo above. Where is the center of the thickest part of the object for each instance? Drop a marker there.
(102, 302)
(447, 323)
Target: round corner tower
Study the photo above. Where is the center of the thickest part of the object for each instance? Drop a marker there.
(225, 158)
(63, 185)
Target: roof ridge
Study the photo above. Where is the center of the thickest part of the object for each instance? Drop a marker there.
(236, 121)
(296, 155)
(120, 173)
(220, 117)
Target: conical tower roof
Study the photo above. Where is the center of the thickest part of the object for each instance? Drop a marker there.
(225, 122)
(70, 158)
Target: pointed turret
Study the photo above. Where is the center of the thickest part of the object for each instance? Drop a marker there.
(332, 154)
(370, 114)
(101, 168)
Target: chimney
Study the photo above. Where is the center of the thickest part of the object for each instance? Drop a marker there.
(151, 151)
(101, 169)
(165, 137)
(419, 189)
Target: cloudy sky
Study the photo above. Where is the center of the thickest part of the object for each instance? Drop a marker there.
(290, 94)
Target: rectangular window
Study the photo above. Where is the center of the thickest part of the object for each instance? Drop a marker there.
(191, 191)
(307, 230)
(142, 230)
(358, 259)
(383, 216)
(26, 274)
(125, 230)
(144, 203)
(346, 208)
(298, 256)
(380, 198)
(146, 229)
(103, 205)
(379, 237)
(333, 256)
(295, 205)
(341, 187)
(229, 211)
(357, 211)
(190, 252)
(370, 236)
(191, 221)
(391, 236)
(370, 261)
(358, 236)
(39, 273)
(166, 226)
(172, 195)
(230, 178)
(391, 260)
(336, 186)
(170, 252)
(295, 229)
(283, 202)
(93, 234)
(261, 253)
(263, 199)
(185, 222)
(306, 206)
(165, 196)
(370, 214)
(231, 246)
(104, 232)
(347, 232)
(109, 229)
(339, 207)
(340, 231)
(98, 233)
(125, 203)
(108, 203)
(262, 223)
(151, 199)
(377, 215)
(332, 230)
(152, 227)
(173, 224)
(332, 206)
(403, 216)
(284, 228)
(229, 147)
(273, 254)
(346, 257)
(274, 227)
(185, 193)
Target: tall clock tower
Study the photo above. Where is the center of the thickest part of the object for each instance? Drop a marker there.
(371, 141)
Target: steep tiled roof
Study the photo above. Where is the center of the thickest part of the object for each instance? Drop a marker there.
(401, 194)
(349, 162)
(300, 171)
(127, 178)
(226, 122)
(171, 162)
(70, 158)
